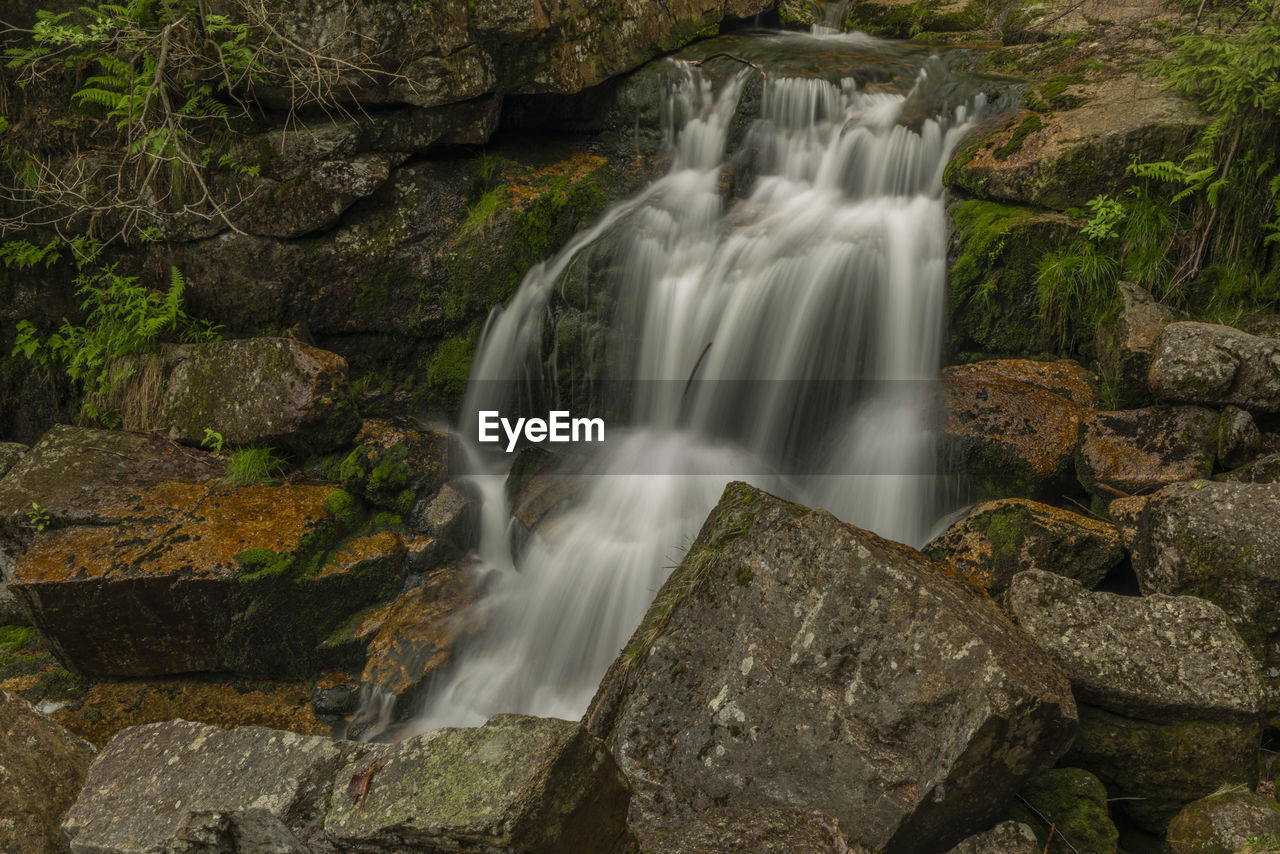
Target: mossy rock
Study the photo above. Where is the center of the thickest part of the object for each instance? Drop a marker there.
(1075, 802)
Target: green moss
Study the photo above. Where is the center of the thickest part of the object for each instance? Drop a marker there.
(449, 366)
(345, 509)
(14, 638)
(1075, 802)
(1028, 126)
(381, 476)
(386, 522)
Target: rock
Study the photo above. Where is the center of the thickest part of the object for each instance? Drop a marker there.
(1065, 158)
(1008, 837)
(793, 662)
(253, 391)
(1161, 658)
(452, 517)
(1264, 469)
(544, 496)
(184, 577)
(10, 453)
(517, 784)
(397, 466)
(1218, 541)
(998, 539)
(1075, 802)
(315, 200)
(153, 784)
(41, 769)
(1235, 820)
(1140, 450)
(1126, 342)
(1238, 437)
(1215, 365)
(1012, 436)
(416, 635)
(1152, 770)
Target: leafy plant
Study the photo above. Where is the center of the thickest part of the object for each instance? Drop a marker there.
(1108, 212)
(123, 318)
(212, 439)
(38, 517)
(252, 465)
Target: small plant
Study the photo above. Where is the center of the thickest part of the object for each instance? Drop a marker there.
(1107, 214)
(212, 440)
(248, 466)
(38, 517)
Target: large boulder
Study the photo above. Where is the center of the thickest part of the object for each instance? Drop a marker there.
(1011, 427)
(1235, 820)
(997, 539)
(517, 784)
(1156, 657)
(41, 769)
(1140, 450)
(1126, 342)
(1218, 541)
(184, 577)
(1214, 365)
(794, 662)
(253, 391)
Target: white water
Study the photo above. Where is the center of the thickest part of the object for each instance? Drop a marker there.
(830, 271)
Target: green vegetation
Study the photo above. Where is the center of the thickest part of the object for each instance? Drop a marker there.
(15, 638)
(38, 517)
(252, 465)
(123, 318)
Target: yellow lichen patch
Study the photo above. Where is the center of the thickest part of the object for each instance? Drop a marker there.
(1063, 378)
(384, 545)
(112, 706)
(526, 185)
(418, 634)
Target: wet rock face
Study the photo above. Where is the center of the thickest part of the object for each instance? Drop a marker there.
(1012, 428)
(41, 769)
(270, 391)
(794, 662)
(998, 539)
(1232, 821)
(1215, 365)
(517, 784)
(1140, 450)
(1155, 657)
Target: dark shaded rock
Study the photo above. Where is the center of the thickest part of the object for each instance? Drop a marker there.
(254, 391)
(1218, 541)
(1237, 820)
(1075, 802)
(997, 539)
(517, 784)
(1067, 157)
(153, 784)
(1216, 365)
(335, 695)
(1140, 450)
(451, 516)
(1156, 657)
(41, 769)
(315, 200)
(1262, 470)
(722, 830)
(10, 453)
(183, 577)
(1012, 435)
(1008, 837)
(793, 662)
(1239, 439)
(1152, 770)
(1126, 343)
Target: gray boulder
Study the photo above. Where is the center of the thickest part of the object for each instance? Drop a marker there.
(1140, 450)
(1157, 657)
(517, 784)
(1125, 343)
(1265, 469)
(1235, 820)
(451, 517)
(1239, 439)
(41, 769)
(794, 662)
(1008, 837)
(1216, 365)
(253, 391)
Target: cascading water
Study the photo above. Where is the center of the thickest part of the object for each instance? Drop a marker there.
(810, 310)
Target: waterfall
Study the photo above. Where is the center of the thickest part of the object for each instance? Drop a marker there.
(797, 262)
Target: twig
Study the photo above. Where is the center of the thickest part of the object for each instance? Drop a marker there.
(1049, 824)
